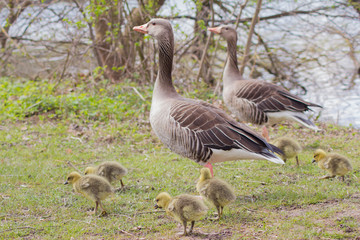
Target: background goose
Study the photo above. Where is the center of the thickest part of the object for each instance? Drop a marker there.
(254, 101)
(193, 128)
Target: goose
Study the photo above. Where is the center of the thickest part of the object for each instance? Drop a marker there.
(193, 128)
(183, 208)
(93, 187)
(290, 147)
(215, 190)
(110, 170)
(255, 101)
(335, 164)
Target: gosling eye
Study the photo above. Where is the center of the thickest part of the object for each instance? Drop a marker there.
(226, 28)
(157, 200)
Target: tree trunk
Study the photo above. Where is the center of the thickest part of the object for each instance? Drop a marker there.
(203, 17)
(116, 47)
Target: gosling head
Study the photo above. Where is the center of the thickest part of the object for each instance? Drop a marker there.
(225, 31)
(318, 155)
(156, 27)
(72, 178)
(89, 170)
(205, 174)
(162, 200)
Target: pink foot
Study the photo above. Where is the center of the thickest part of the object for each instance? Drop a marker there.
(265, 133)
(209, 166)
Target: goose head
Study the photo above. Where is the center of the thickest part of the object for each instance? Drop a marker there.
(162, 200)
(225, 31)
(157, 27)
(72, 178)
(319, 154)
(89, 170)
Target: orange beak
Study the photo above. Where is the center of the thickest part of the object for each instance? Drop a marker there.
(216, 30)
(141, 29)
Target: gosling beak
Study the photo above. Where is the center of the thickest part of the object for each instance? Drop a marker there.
(141, 29)
(313, 161)
(156, 206)
(66, 182)
(216, 30)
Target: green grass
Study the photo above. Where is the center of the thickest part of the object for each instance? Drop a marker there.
(39, 148)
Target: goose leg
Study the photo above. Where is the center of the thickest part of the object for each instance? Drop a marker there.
(265, 133)
(209, 166)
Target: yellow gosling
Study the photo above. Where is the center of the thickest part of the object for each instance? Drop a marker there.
(290, 147)
(183, 208)
(335, 164)
(215, 190)
(111, 171)
(94, 188)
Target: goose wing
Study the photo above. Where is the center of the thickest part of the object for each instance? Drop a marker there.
(271, 98)
(200, 127)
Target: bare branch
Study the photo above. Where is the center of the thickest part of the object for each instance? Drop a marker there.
(248, 43)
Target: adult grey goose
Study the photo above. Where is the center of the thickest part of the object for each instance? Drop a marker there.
(193, 128)
(255, 101)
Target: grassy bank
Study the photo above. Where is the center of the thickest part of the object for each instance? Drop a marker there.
(39, 146)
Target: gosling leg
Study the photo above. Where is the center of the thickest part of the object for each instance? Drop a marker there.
(103, 213)
(297, 160)
(192, 226)
(96, 207)
(184, 224)
(122, 184)
(327, 176)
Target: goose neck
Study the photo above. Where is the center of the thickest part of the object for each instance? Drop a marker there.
(164, 84)
(231, 68)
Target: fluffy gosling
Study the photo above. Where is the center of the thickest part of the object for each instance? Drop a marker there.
(290, 147)
(215, 190)
(183, 208)
(94, 188)
(111, 171)
(335, 164)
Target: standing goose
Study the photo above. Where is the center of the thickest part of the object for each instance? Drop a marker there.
(193, 128)
(254, 101)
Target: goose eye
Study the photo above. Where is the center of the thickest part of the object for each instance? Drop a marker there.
(153, 23)
(226, 28)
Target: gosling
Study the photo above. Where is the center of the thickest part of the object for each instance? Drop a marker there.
(94, 188)
(215, 190)
(183, 208)
(111, 171)
(335, 164)
(290, 147)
